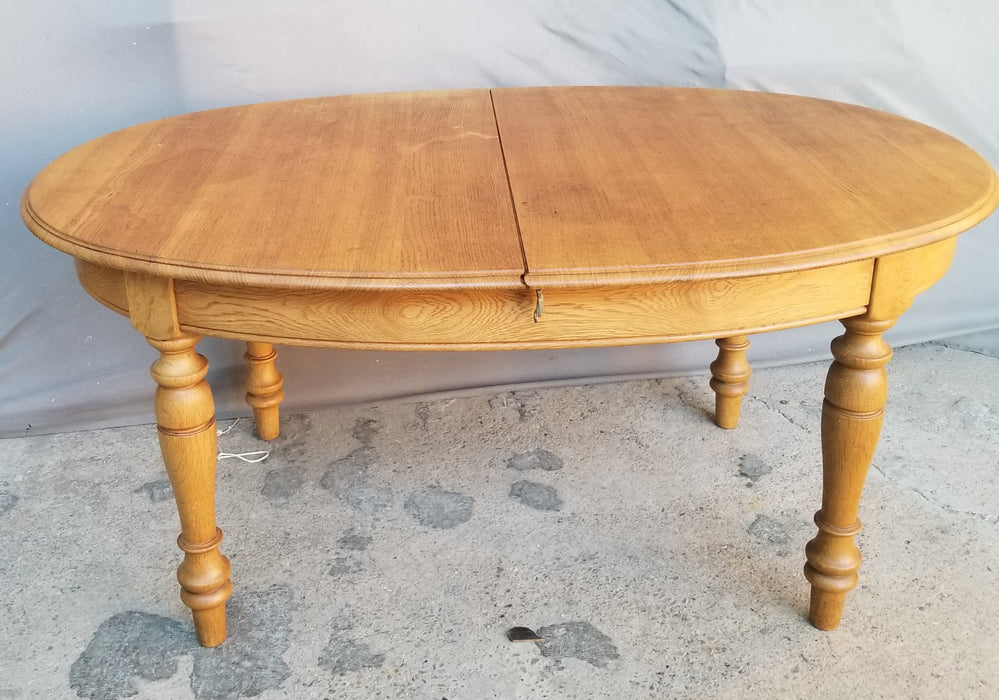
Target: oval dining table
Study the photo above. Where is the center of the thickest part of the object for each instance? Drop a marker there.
(513, 218)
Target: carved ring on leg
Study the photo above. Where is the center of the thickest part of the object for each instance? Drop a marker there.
(198, 575)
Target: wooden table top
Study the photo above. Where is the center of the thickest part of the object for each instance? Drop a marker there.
(545, 187)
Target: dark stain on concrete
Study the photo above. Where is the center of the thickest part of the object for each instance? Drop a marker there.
(423, 415)
(292, 426)
(535, 495)
(127, 646)
(752, 467)
(348, 470)
(771, 532)
(249, 662)
(578, 640)
(293, 441)
(430, 415)
(351, 560)
(345, 565)
(7, 501)
(367, 498)
(344, 653)
(440, 509)
(535, 459)
(342, 656)
(354, 542)
(348, 475)
(282, 483)
(158, 491)
(365, 430)
(135, 645)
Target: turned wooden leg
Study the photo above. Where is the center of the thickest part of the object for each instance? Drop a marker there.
(855, 393)
(263, 389)
(185, 414)
(730, 379)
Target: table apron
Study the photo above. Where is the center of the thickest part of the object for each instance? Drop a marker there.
(477, 319)
(485, 319)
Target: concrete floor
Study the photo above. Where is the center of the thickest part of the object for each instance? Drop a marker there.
(383, 551)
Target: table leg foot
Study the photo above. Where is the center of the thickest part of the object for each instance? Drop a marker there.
(209, 625)
(263, 389)
(185, 416)
(730, 379)
(855, 393)
(199, 575)
(825, 609)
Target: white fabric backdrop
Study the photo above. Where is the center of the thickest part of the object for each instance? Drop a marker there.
(73, 71)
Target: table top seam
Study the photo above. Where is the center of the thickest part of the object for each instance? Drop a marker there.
(509, 188)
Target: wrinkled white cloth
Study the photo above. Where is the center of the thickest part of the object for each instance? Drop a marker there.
(70, 74)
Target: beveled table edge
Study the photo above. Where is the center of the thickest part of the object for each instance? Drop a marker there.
(895, 242)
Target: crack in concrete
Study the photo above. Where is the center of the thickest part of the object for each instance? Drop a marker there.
(989, 518)
(790, 419)
(683, 394)
(689, 394)
(983, 353)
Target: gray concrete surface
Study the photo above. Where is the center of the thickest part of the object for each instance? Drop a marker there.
(383, 551)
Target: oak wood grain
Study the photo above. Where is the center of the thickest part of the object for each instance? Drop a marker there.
(852, 413)
(185, 418)
(495, 319)
(264, 391)
(478, 319)
(899, 277)
(646, 184)
(411, 190)
(152, 308)
(367, 191)
(730, 375)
